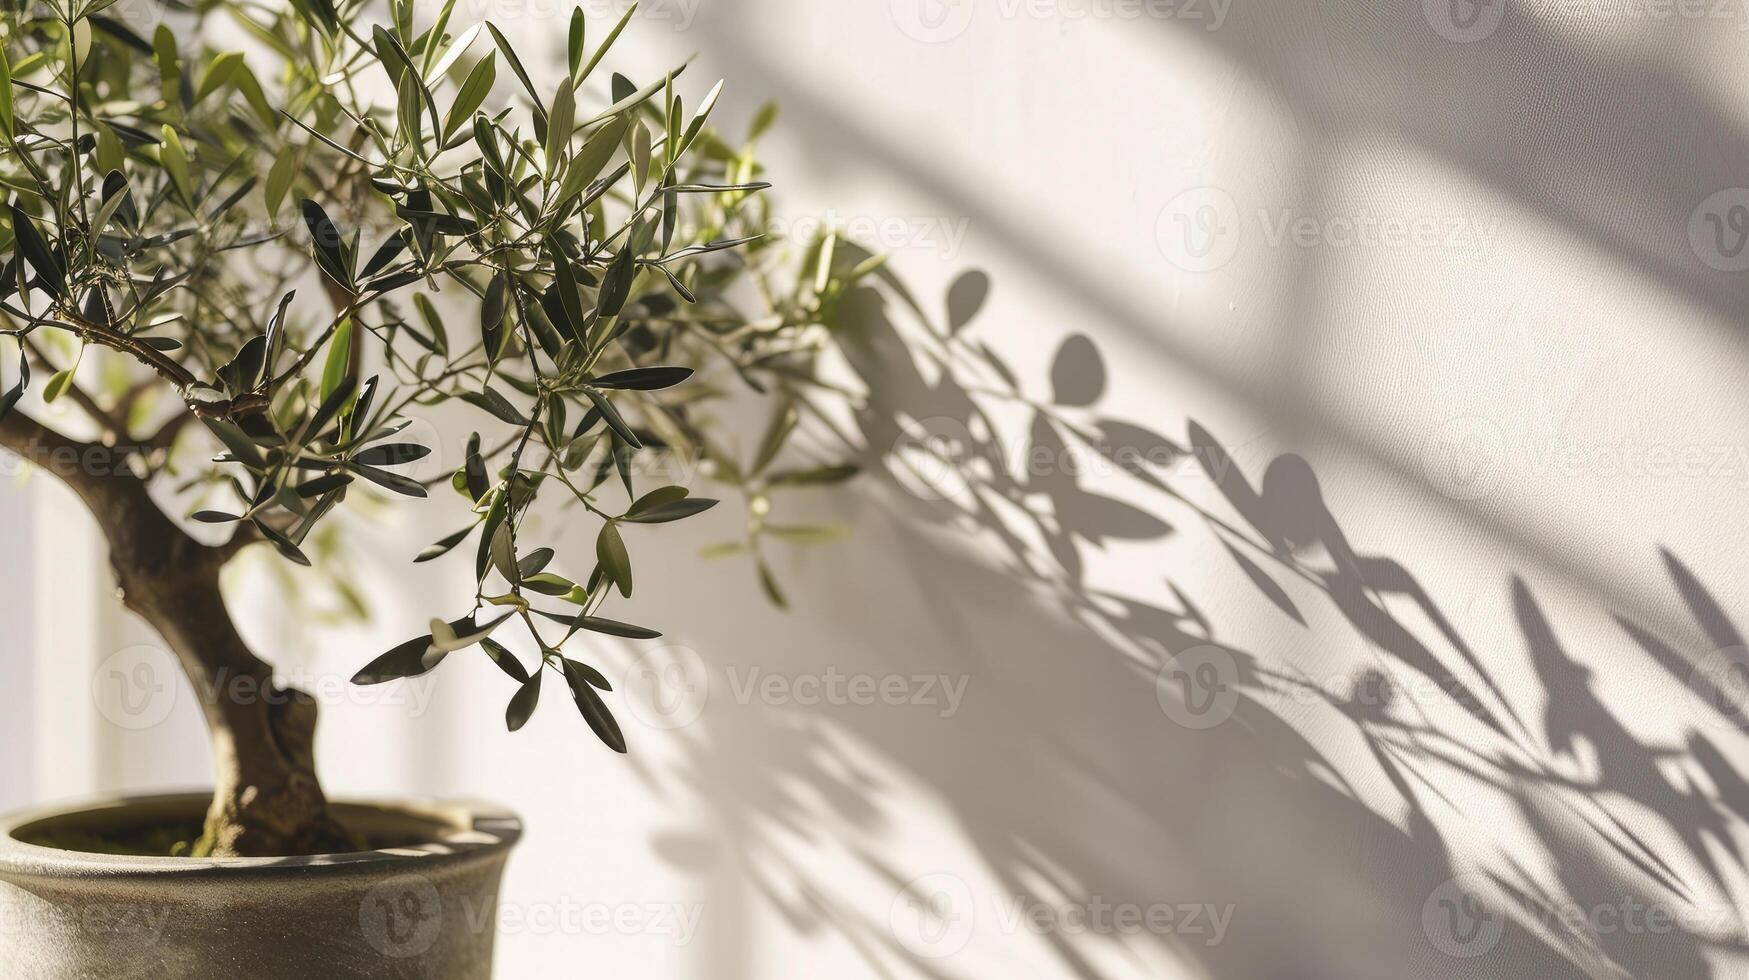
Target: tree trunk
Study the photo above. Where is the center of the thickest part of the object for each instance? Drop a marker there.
(266, 800)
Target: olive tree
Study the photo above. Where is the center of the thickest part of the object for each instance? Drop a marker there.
(235, 270)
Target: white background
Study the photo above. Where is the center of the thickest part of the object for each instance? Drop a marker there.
(1526, 407)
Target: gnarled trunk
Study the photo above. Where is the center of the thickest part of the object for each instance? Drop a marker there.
(266, 800)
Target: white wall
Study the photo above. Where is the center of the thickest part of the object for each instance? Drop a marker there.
(1527, 426)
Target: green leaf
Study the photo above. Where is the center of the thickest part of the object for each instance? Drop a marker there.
(596, 624)
(492, 315)
(762, 121)
(546, 583)
(35, 250)
(560, 122)
(522, 704)
(782, 424)
(611, 416)
(819, 476)
(445, 545)
(503, 554)
(768, 582)
(592, 708)
(326, 242)
(388, 481)
(6, 123)
(9, 400)
(505, 660)
(393, 454)
(239, 444)
(495, 404)
(610, 551)
(616, 285)
(215, 517)
(57, 385)
(335, 369)
(806, 534)
(534, 561)
(601, 52)
(503, 43)
(279, 180)
(474, 469)
(656, 498)
(574, 43)
(175, 161)
(643, 379)
(672, 511)
(589, 674)
(597, 152)
(311, 489)
(405, 660)
(473, 92)
(218, 73)
(562, 303)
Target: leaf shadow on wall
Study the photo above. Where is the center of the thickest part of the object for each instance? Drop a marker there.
(1085, 767)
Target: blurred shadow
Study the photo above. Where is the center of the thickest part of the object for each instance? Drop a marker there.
(1336, 810)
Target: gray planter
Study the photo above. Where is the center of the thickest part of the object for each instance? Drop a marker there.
(426, 910)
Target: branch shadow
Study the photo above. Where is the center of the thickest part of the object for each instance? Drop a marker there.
(1130, 750)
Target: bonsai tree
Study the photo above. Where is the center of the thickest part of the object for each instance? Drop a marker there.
(243, 267)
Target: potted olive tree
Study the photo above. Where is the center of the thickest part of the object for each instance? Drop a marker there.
(237, 270)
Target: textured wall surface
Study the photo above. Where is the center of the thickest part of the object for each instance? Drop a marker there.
(1402, 637)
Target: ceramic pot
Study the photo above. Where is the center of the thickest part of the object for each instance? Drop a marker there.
(425, 908)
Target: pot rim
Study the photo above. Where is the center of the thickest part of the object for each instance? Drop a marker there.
(474, 828)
